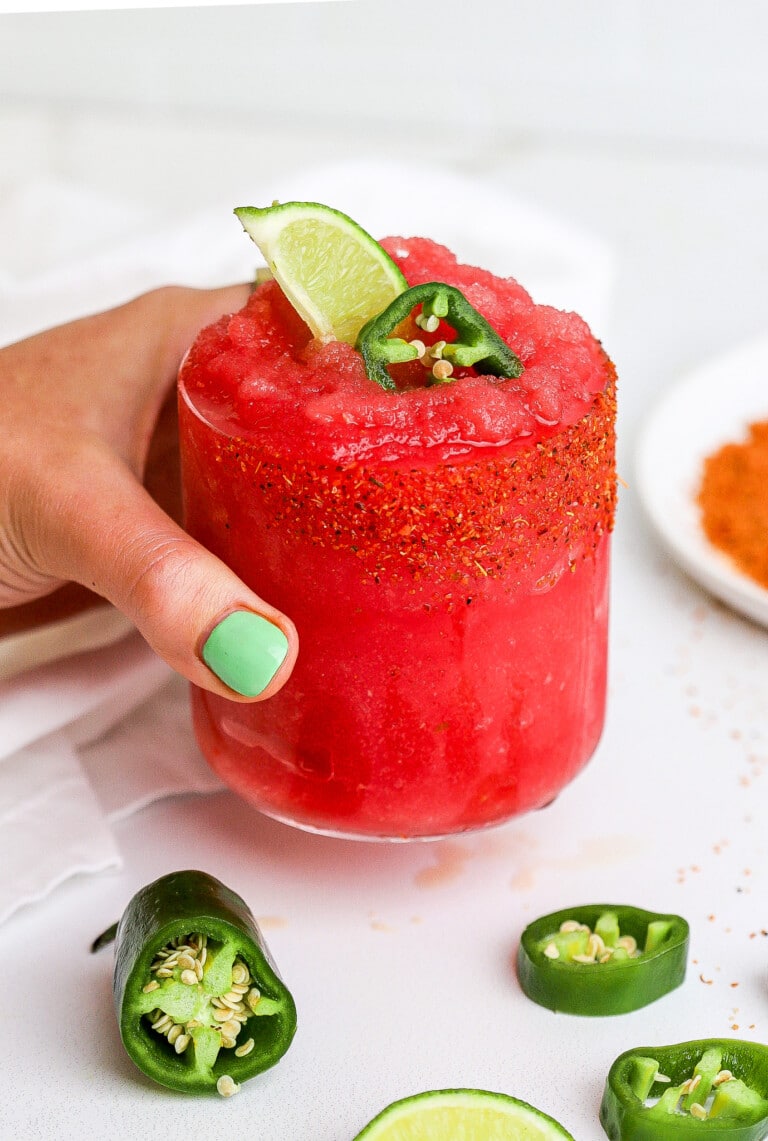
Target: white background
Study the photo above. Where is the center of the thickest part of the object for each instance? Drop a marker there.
(646, 123)
(492, 74)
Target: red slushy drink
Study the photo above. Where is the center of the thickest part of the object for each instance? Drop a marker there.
(442, 549)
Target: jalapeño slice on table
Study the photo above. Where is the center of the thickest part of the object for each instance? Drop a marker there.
(200, 1005)
(714, 1087)
(478, 345)
(602, 958)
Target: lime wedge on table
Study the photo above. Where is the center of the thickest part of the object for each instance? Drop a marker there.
(333, 273)
(462, 1115)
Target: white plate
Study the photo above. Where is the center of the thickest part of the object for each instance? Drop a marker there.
(710, 407)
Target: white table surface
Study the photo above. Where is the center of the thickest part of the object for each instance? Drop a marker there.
(401, 957)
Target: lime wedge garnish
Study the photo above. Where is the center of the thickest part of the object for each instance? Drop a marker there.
(471, 1114)
(333, 273)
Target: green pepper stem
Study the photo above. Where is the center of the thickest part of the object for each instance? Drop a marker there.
(104, 939)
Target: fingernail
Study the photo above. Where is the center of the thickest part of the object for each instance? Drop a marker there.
(245, 651)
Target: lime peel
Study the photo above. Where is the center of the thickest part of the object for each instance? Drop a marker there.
(334, 274)
(472, 1114)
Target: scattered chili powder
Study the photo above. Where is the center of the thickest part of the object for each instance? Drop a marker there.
(734, 501)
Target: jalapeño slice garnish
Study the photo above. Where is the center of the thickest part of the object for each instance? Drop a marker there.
(477, 345)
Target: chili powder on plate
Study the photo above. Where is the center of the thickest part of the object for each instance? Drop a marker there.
(733, 498)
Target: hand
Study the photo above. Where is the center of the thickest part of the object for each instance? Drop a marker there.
(88, 412)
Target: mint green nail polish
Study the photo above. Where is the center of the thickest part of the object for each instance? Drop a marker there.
(245, 651)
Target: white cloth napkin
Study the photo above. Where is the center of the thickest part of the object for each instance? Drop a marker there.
(85, 741)
(88, 739)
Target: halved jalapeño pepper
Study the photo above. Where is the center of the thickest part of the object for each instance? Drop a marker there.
(478, 345)
(715, 1087)
(199, 1002)
(602, 958)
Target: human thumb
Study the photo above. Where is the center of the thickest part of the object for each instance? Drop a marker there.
(109, 534)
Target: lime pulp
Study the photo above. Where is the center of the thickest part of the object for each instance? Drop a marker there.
(333, 273)
(469, 1114)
